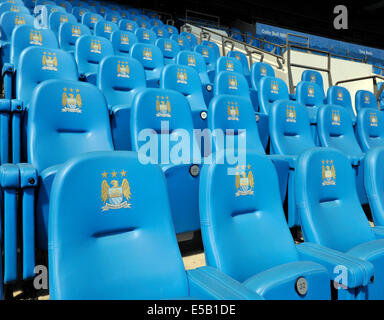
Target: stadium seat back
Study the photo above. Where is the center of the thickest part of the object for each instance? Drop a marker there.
(161, 32)
(105, 29)
(90, 19)
(170, 49)
(65, 4)
(117, 76)
(145, 36)
(329, 207)
(314, 77)
(309, 94)
(37, 64)
(112, 17)
(289, 128)
(112, 235)
(156, 22)
(248, 208)
(208, 54)
(90, 50)
(243, 60)
(172, 30)
(335, 129)
(182, 41)
(365, 99)
(212, 45)
(56, 19)
(78, 12)
(10, 20)
(6, 6)
(231, 83)
(228, 64)
(128, 25)
(271, 89)
(26, 36)
(260, 70)
(370, 128)
(122, 41)
(191, 38)
(149, 55)
(340, 96)
(234, 116)
(69, 33)
(68, 116)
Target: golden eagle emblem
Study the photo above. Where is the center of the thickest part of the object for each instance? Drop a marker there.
(182, 76)
(233, 111)
(291, 113)
(115, 196)
(71, 103)
(244, 181)
(328, 173)
(49, 61)
(163, 107)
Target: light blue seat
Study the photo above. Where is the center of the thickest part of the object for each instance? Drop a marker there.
(122, 41)
(146, 36)
(112, 16)
(69, 33)
(78, 12)
(209, 56)
(105, 29)
(191, 38)
(182, 41)
(370, 128)
(365, 99)
(130, 244)
(164, 117)
(340, 96)
(314, 77)
(172, 30)
(6, 6)
(152, 60)
(128, 25)
(90, 19)
(90, 50)
(120, 78)
(244, 63)
(212, 45)
(331, 216)
(170, 49)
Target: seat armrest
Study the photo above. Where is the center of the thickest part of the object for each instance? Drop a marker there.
(379, 232)
(210, 283)
(359, 271)
(8, 68)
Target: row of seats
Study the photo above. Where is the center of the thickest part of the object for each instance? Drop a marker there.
(54, 111)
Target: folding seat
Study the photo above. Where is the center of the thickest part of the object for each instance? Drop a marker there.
(113, 244)
(152, 60)
(120, 78)
(373, 181)
(365, 99)
(122, 41)
(182, 41)
(65, 4)
(23, 37)
(125, 14)
(105, 29)
(78, 12)
(244, 63)
(226, 63)
(156, 22)
(370, 128)
(90, 19)
(212, 45)
(8, 22)
(169, 48)
(164, 116)
(60, 113)
(290, 135)
(246, 237)
(191, 38)
(53, 8)
(112, 17)
(56, 19)
(144, 24)
(314, 77)
(161, 32)
(186, 80)
(340, 96)
(172, 30)
(331, 216)
(335, 130)
(195, 60)
(145, 36)
(69, 33)
(90, 50)
(128, 25)
(270, 90)
(209, 58)
(6, 6)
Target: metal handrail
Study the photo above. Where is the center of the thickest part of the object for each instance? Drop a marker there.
(297, 36)
(374, 77)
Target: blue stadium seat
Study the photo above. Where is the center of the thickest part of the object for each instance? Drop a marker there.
(70, 117)
(331, 216)
(170, 49)
(258, 71)
(65, 4)
(270, 90)
(210, 59)
(335, 130)
(160, 32)
(365, 99)
(90, 50)
(373, 181)
(6, 6)
(8, 22)
(164, 116)
(105, 29)
(340, 96)
(78, 12)
(128, 25)
(145, 36)
(314, 77)
(370, 128)
(53, 8)
(56, 19)
(244, 63)
(112, 16)
(191, 38)
(144, 24)
(172, 30)
(115, 248)
(69, 33)
(124, 14)
(186, 80)
(122, 41)
(90, 19)
(152, 60)
(226, 63)
(260, 251)
(212, 45)
(156, 22)
(120, 78)
(182, 41)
